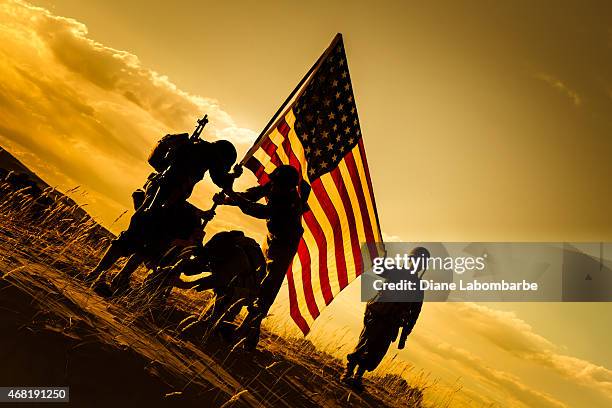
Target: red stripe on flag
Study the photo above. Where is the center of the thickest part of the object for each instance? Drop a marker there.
(303, 249)
(253, 164)
(306, 281)
(294, 310)
(366, 169)
(313, 225)
(361, 198)
(270, 149)
(293, 160)
(303, 252)
(276, 160)
(346, 202)
(268, 146)
(283, 127)
(258, 169)
(330, 211)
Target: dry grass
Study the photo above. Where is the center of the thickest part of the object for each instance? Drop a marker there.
(48, 242)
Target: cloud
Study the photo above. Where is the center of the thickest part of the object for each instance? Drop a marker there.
(391, 238)
(81, 113)
(516, 337)
(514, 389)
(561, 87)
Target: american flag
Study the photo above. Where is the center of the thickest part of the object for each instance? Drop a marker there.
(319, 135)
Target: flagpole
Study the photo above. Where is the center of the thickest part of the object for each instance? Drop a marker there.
(274, 119)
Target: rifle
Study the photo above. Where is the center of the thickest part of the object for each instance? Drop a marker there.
(195, 136)
(199, 127)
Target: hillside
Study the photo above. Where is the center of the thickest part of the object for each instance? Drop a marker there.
(56, 331)
(15, 176)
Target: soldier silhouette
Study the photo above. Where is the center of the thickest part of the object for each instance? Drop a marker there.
(236, 265)
(162, 204)
(283, 214)
(381, 324)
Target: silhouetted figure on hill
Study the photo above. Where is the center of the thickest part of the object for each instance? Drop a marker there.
(176, 228)
(381, 325)
(283, 215)
(236, 265)
(180, 163)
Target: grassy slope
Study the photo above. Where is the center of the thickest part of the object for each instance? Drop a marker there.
(54, 331)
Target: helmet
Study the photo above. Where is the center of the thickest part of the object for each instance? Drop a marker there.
(420, 252)
(424, 255)
(225, 152)
(285, 176)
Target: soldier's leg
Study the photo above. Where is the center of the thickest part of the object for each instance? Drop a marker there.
(125, 245)
(121, 282)
(233, 306)
(279, 254)
(222, 303)
(116, 250)
(358, 379)
(279, 259)
(270, 287)
(226, 327)
(359, 356)
(350, 368)
(210, 318)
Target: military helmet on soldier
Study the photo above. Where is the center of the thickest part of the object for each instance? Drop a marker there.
(225, 150)
(418, 252)
(424, 255)
(285, 177)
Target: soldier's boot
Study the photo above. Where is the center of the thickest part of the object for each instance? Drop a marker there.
(120, 285)
(102, 288)
(112, 255)
(227, 329)
(222, 317)
(215, 314)
(252, 338)
(234, 310)
(348, 372)
(357, 382)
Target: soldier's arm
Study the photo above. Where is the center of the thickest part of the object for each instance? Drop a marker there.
(249, 207)
(408, 324)
(402, 341)
(254, 193)
(222, 177)
(412, 316)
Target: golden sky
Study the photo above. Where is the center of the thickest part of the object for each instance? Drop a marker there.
(482, 121)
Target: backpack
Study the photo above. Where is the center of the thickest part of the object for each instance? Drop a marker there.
(223, 244)
(165, 149)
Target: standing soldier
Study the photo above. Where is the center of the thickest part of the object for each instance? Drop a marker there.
(381, 324)
(181, 162)
(283, 213)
